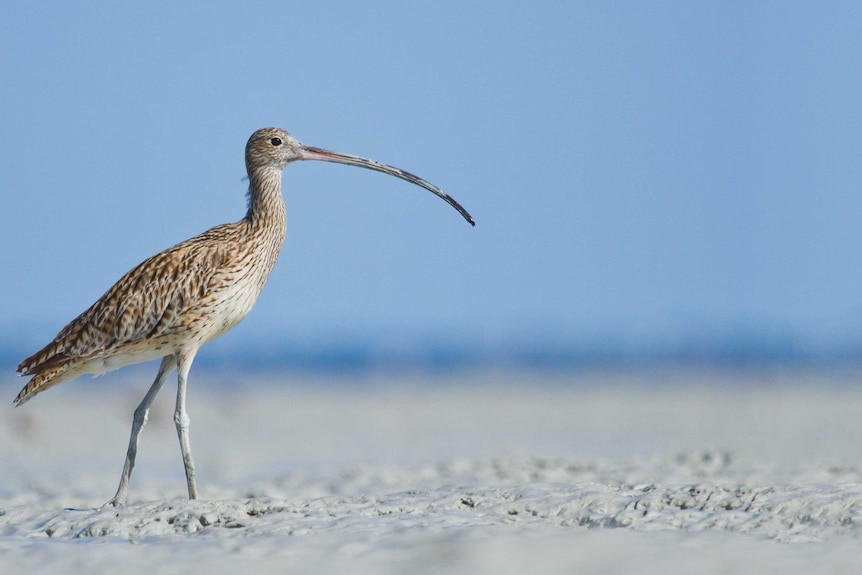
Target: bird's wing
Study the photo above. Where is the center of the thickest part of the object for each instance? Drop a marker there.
(146, 303)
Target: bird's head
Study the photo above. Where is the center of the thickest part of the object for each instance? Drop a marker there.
(271, 147)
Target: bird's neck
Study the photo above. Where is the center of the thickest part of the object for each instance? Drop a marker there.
(266, 214)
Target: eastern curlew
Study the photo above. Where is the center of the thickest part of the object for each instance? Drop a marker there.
(171, 304)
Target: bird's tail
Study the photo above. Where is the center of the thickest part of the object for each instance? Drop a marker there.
(46, 379)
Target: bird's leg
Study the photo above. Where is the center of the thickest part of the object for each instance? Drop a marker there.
(138, 422)
(181, 419)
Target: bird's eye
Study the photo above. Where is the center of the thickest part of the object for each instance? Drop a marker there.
(275, 142)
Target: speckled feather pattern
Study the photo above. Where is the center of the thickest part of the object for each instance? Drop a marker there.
(182, 297)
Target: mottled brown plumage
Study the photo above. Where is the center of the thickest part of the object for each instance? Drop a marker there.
(184, 296)
(176, 301)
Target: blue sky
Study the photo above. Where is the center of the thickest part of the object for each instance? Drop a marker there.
(638, 171)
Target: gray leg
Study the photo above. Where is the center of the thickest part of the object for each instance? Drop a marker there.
(181, 418)
(138, 422)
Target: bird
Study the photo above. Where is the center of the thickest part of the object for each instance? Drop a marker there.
(176, 301)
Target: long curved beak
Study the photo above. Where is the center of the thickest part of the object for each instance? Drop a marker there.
(312, 153)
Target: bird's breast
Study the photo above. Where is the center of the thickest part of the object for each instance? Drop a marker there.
(233, 292)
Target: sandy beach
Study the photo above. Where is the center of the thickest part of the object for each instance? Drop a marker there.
(649, 471)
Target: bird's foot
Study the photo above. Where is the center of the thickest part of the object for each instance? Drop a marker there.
(115, 502)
